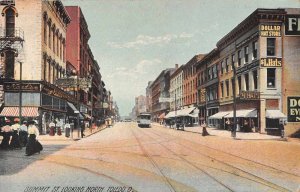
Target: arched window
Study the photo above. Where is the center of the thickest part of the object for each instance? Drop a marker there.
(49, 33)
(10, 22)
(45, 27)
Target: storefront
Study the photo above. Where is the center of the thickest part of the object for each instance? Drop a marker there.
(40, 101)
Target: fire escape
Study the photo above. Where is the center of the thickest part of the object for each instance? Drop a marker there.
(11, 44)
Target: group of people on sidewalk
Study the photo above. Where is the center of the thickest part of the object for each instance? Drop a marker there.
(16, 136)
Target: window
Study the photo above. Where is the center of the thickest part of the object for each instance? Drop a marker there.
(247, 82)
(222, 67)
(49, 35)
(271, 77)
(232, 60)
(246, 54)
(271, 46)
(44, 68)
(222, 89)
(240, 83)
(255, 79)
(10, 22)
(254, 50)
(215, 71)
(9, 64)
(239, 58)
(227, 87)
(227, 65)
(45, 29)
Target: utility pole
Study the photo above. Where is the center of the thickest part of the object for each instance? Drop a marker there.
(233, 131)
(20, 93)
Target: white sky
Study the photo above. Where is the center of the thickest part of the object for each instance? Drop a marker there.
(134, 40)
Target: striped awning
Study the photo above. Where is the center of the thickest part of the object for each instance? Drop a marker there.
(14, 112)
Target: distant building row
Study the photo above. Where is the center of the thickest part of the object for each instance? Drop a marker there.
(259, 61)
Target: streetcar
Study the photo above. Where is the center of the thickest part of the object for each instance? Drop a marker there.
(144, 120)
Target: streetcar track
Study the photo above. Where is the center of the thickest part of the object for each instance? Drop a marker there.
(171, 187)
(230, 154)
(265, 182)
(205, 172)
(91, 171)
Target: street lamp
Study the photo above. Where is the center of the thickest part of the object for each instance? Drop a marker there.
(233, 131)
(20, 92)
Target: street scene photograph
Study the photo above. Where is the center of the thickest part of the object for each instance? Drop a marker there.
(149, 96)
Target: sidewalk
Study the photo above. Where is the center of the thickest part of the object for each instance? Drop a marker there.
(239, 135)
(87, 132)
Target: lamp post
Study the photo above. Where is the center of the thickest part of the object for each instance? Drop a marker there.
(233, 131)
(20, 92)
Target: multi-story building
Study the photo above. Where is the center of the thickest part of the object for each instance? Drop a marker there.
(140, 104)
(160, 89)
(190, 81)
(30, 71)
(80, 56)
(259, 61)
(207, 72)
(176, 88)
(148, 97)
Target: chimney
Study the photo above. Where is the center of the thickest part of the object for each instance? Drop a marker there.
(176, 66)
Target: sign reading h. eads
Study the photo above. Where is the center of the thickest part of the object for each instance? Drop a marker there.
(292, 25)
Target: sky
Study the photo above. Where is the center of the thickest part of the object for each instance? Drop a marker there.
(134, 40)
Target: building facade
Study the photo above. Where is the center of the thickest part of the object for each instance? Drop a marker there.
(176, 88)
(34, 66)
(208, 100)
(160, 89)
(256, 59)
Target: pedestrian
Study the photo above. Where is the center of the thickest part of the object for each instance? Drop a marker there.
(15, 140)
(33, 145)
(82, 128)
(227, 124)
(23, 134)
(204, 131)
(281, 128)
(6, 132)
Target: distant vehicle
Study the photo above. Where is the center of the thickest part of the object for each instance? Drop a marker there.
(144, 120)
(127, 120)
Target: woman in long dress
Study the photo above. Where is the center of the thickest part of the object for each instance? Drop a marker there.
(33, 146)
(6, 132)
(15, 140)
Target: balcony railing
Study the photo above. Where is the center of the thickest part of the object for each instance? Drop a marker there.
(11, 33)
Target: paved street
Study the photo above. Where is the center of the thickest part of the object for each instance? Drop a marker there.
(128, 158)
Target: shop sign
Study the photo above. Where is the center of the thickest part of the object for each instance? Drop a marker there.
(58, 93)
(292, 25)
(270, 62)
(249, 95)
(202, 95)
(270, 30)
(24, 87)
(293, 109)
